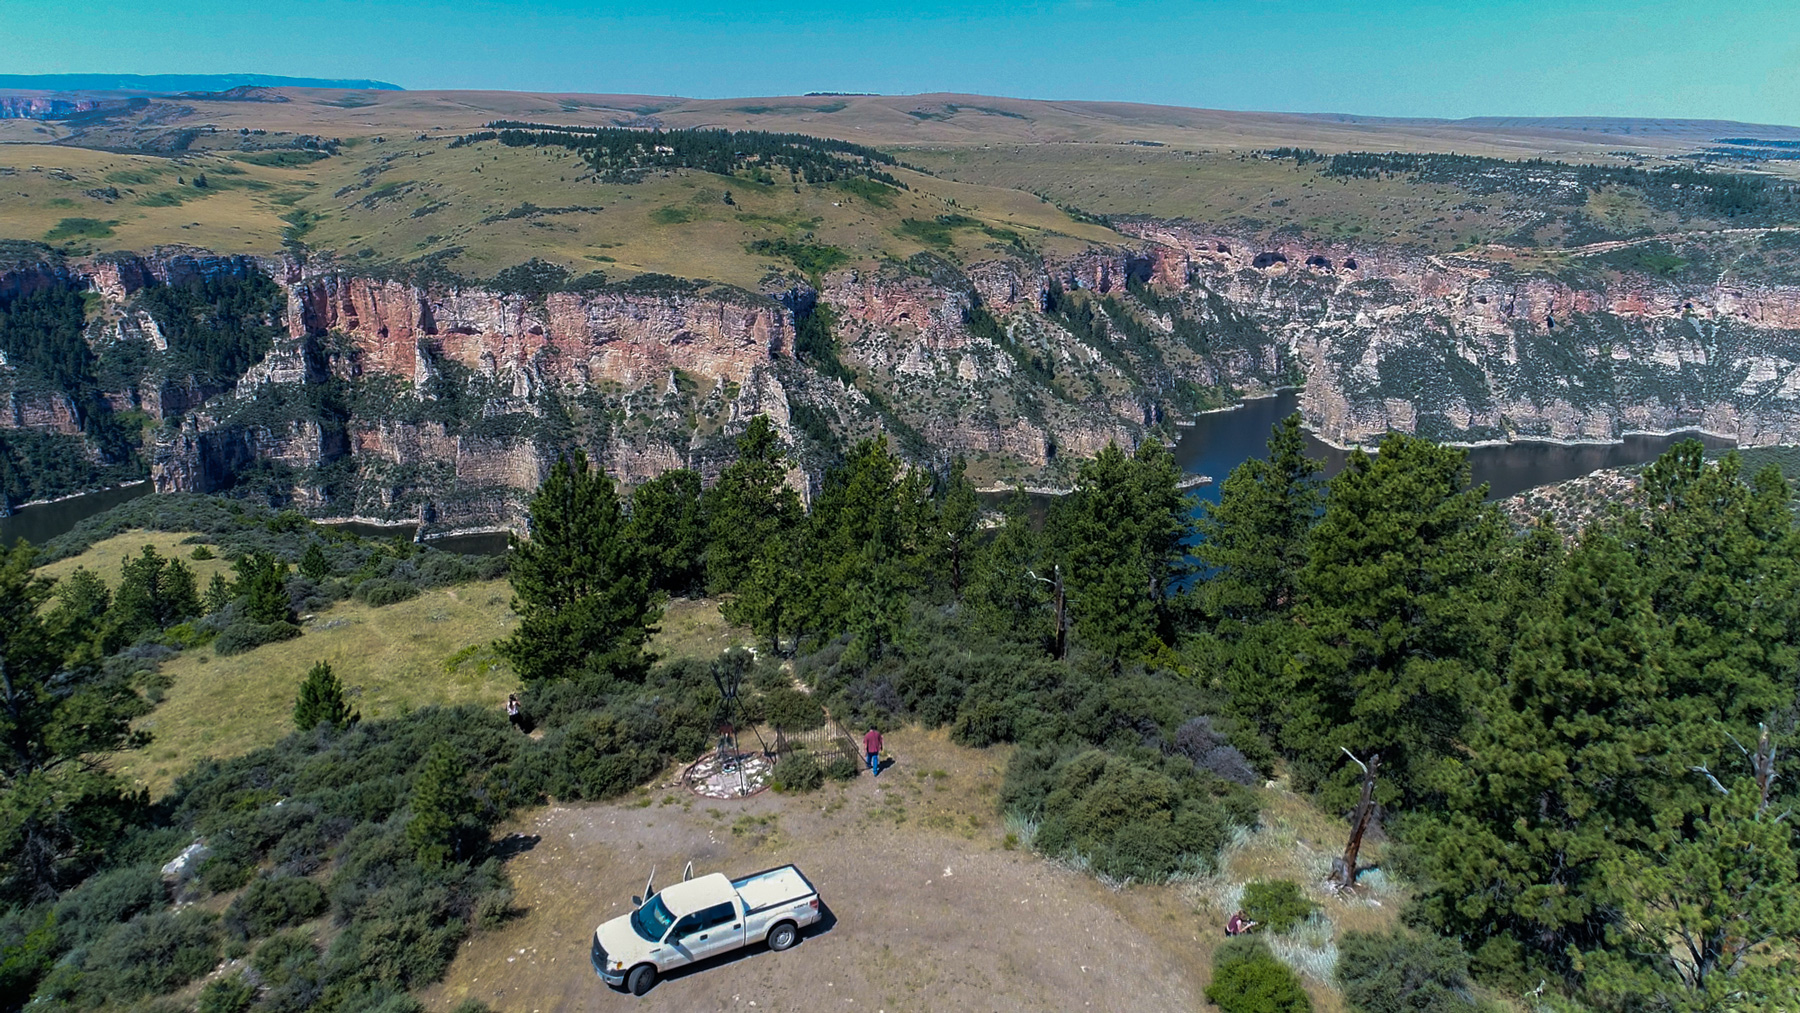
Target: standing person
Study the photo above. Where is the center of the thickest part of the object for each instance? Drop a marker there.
(872, 746)
(512, 711)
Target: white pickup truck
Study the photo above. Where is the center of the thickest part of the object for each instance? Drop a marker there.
(701, 918)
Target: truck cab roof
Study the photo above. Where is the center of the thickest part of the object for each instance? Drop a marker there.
(697, 894)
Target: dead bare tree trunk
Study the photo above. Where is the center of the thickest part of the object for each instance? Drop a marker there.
(1343, 870)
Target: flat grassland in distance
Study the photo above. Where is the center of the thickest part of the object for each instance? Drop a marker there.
(394, 196)
(1260, 194)
(480, 208)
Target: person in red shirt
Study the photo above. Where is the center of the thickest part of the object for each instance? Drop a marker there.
(872, 746)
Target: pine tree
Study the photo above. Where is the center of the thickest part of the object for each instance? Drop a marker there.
(1004, 596)
(1254, 540)
(668, 522)
(321, 701)
(958, 514)
(1121, 533)
(154, 594)
(313, 564)
(443, 809)
(775, 596)
(1398, 612)
(1550, 784)
(59, 811)
(750, 503)
(581, 586)
(262, 584)
(218, 595)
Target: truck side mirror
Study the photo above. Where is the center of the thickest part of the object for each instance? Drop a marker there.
(637, 902)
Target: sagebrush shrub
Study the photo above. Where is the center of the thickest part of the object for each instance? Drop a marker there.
(271, 904)
(842, 768)
(799, 771)
(1276, 905)
(1403, 972)
(232, 994)
(791, 710)
(1248, 979)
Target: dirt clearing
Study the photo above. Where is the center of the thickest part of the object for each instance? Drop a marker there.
(928, 910)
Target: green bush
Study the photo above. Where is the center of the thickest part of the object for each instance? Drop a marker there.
(1131, 817)
(150, 955)
(1403, 972)
(843, 768)
(202, 552)
(799, 771)
(244, 636)
(107, 899)
(1248, 979)
(380, 591)
(271, 904)
(233, 994)
(1276, 905)
(288, 964)
(791, 710)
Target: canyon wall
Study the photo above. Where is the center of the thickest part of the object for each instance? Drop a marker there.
(445, 405)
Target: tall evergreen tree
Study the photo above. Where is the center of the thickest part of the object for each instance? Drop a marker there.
(775, 598)
(1005, 595)
(313, 563)
(321, 701)
(958, 520)
(749, 505)
(1122, 534)
(1397, 608)
(1254, 541)
(154, 594)
(1709, 913)
(1576, 822)
(865, 549)
(262, 586)
(58, 811)
(668, 524)
(1553, 780)
(83, 615)
(581, 587)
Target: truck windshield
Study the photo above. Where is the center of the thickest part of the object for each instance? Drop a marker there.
(652, 920)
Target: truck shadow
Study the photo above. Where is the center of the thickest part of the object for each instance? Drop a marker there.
(827, 921)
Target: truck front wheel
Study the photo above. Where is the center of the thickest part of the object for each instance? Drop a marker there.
(783, 936)
(641, 979)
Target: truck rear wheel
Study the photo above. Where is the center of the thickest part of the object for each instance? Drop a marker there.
(642, 979)
(783, 936)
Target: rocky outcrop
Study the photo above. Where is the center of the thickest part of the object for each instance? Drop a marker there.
(43, 106)
(1463, 348)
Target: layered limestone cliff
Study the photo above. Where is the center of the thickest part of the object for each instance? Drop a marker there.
(1465, 349)
(445, 405)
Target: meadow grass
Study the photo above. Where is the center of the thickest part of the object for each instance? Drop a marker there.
(391, 659)
(106, 557)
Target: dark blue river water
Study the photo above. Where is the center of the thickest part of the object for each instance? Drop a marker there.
(1220, 441)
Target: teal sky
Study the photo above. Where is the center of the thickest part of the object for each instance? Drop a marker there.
(1724, 59)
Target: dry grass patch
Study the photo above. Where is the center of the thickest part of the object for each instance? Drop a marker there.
(390, 659)
(693, 628)
(105, 558)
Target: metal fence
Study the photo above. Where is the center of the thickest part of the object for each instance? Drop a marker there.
(826, 742)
